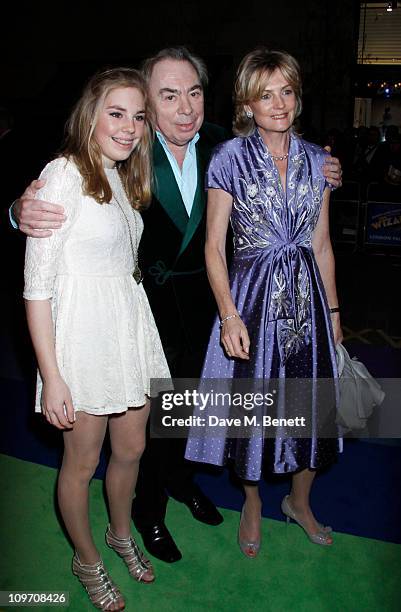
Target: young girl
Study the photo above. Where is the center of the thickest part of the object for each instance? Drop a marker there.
(94, 335)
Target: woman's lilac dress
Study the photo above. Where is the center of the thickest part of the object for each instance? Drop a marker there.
(276, 286)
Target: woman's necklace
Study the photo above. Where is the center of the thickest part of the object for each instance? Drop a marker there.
(279, 157)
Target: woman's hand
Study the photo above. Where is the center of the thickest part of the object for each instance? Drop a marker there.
(57, 403)
(337, 331)
(235, 339)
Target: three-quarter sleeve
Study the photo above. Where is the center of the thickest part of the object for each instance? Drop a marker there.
(219, 173)
(42, 255)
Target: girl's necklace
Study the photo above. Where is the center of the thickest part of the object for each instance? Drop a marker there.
(137, 274)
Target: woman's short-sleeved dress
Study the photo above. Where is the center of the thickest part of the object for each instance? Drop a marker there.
(106, 341)
(276, 286)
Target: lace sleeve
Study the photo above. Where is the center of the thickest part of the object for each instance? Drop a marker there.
(63, 186)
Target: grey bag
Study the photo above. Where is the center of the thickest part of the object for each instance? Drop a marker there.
(359, 391)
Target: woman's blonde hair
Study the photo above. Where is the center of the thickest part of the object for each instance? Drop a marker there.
(252, 75)
(80, 144)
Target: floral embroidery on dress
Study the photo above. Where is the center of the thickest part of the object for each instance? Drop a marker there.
(293, 338)
(264, 217)
(280, 302)
(252, 190)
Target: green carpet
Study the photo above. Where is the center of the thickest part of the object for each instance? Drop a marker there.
(290, 573)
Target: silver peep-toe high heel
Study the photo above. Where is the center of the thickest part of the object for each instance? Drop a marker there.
(321, 537)
(250, 549)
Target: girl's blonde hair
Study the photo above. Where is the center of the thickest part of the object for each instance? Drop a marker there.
(81, 146)
(252, 75)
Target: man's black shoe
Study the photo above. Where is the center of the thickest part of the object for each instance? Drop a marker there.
(159, 542)
(203, 509)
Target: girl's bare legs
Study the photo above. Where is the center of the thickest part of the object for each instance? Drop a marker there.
(82, 446)
(250, 524)
(299, 500)
(127, 437)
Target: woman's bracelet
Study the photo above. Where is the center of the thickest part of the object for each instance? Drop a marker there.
(233, 316)
(333, 310)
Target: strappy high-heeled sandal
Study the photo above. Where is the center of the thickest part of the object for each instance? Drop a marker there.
(138, 565)
(102, 591)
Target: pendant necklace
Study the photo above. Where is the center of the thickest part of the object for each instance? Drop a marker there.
(137, 274)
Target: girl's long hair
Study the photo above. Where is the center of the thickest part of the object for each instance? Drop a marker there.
(81, 146)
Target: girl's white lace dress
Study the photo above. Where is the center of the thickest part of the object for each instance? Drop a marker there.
(107, 344)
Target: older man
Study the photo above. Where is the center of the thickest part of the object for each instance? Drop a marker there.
(173, 262)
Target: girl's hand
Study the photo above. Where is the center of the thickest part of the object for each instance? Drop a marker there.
(337, 331)
(57, 403)
(235, 339)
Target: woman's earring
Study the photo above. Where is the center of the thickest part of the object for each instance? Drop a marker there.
(249, 114)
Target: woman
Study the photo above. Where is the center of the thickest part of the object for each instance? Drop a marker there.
(279, 316)
(95, 339)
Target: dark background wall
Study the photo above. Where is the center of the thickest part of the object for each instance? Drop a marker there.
(49, 49)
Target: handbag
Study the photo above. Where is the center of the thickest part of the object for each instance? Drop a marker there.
(359, 392)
